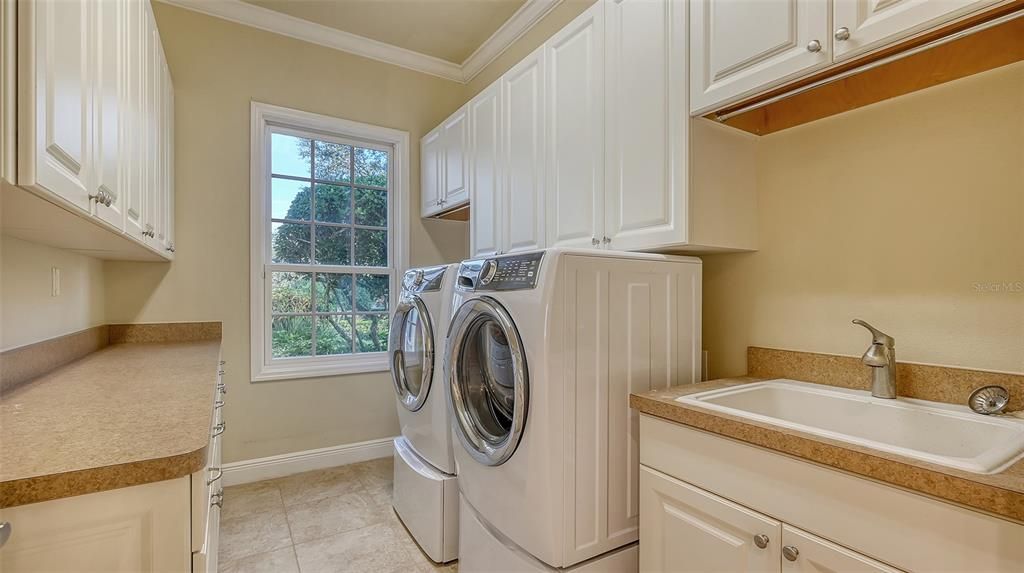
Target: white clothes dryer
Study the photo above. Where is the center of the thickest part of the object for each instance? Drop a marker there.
(543, 350)
(425, 490)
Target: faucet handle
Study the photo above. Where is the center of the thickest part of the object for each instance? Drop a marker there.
(878, 337)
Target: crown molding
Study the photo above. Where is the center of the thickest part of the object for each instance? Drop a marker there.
(278, 23)
(268, 20)
(525, 18)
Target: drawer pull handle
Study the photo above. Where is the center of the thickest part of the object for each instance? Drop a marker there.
(222, 387)
(218, 404)
(217, 474)
(761, 541)
(219, 429)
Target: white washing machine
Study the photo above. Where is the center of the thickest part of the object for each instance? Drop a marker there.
(543, 351)
(425, 491)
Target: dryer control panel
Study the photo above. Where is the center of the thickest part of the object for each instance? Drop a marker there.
(424, 279)
(512, 272)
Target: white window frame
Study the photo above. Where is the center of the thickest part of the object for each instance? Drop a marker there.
(270, 118)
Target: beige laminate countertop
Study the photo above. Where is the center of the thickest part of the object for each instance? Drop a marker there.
(1000, 494)
(125, 415)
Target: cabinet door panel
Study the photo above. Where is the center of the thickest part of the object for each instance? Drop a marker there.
(738, 48)
(136, 60)
(485, 172)
(110, 98)
(167, 152)
(683, 528)
(431, 153)
(523, 132)
(817, 555)
(874, 23)
(60, 117)
(456, 168)
(645, 129)
(574, 88)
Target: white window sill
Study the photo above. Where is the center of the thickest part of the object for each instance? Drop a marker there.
(285, 370)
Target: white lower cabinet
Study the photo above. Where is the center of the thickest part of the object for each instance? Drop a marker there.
(684, 528)
(709, 503)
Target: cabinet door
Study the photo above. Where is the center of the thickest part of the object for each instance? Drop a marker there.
(683, 528)
(456, 168)
(574, 141)
(110, 27)
(136, 62)
(8, 92)
(646, 146)
(153, 204)
(55, 111)
(871, 24)
(816, 555)
(431, 153)
(522, 91)
(485, 172)
(740, 48)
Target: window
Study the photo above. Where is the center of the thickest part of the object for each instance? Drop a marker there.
(327, 215)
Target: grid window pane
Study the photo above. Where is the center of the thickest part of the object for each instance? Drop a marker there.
(333, 334)
(371, 167)
(290, 242)
(333, 245)
(371, 248)
(289, 155)
(291, 292)
(371, 207)
(333, 162)
(333, 203)
(333, 292)
(372, 293)
(289, 199)
(292, 336)
(371, 332)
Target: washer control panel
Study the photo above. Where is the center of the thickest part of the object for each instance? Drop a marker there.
(511, 272)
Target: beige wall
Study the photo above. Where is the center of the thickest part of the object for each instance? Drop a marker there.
(898, 214)
(218, 68)
(28, 311)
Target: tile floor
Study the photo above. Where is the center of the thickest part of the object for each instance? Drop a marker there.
(325, 521)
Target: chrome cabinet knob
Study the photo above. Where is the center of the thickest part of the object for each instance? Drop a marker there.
(217, 499)
(594, 241)
(170, 247)
(814, 46)
(606, 240)
(103, 198)
(761, 541)
(5, 532)
(222, 388)
(842, 34)
(790, 553)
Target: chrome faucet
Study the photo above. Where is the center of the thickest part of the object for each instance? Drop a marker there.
(881, 357)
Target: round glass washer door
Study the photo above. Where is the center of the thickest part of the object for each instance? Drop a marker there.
(411, 352)
(488, 380)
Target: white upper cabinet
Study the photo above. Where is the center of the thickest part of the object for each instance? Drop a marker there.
(485, 172)
(444, 165)
(95, 120)
(456, 168)
(55, 105)
(860, 26)
(522, 127)
(574, 58)
(431, 155)
(740, 48)
(645, 127)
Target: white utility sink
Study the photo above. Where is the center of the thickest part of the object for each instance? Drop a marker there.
(942, 434)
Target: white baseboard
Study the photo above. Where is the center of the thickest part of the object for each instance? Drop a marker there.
(248, 471)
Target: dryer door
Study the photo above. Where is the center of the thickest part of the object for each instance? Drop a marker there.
(411, 352)
(488, 380)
